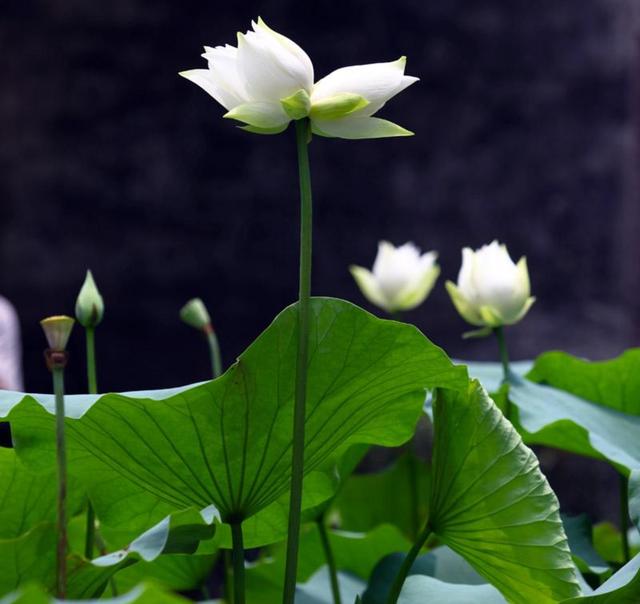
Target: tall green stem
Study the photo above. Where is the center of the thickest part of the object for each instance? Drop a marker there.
(238, 563)
(297, 462)
(61, 454)
(214, 351)
(92, 382)
(331, 563)
(407, 563)
(624, 517)
(504, 359)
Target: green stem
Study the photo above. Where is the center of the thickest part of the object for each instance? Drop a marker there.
(624, 517)
(238, 563)
(228, 576)
(93, 389)
(331, 563)
(61, 558)
(297, 462)
(506, 370)
(214, 351)
(407, 563)
(413, 489)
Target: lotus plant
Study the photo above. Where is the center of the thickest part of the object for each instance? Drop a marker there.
(265, 83)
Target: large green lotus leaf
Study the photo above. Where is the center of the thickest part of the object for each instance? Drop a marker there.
(146, 593)
(364, 502)
(419, 589)
(555, 414)
(228, 442)
(28, 498)
(354, 553)
(491, 375)
(317, 589)
(614, 384)
(491, 504)
(441, 563)
(621, 588)
(179, 572)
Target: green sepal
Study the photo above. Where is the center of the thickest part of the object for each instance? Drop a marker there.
(340, 105)
(297, 105)
(256, 130)
(483, 332)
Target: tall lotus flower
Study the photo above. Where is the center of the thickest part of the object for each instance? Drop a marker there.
(401, 278)
(492, 290)
(267, 81)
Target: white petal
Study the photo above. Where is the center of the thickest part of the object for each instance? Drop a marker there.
(271, 66)
(376, 82)
(210, 83)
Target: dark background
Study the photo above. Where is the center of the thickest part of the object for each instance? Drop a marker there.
(525, 121)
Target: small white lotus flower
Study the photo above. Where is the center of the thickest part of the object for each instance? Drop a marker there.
(401, 278)
(492, 291)
(267, 81)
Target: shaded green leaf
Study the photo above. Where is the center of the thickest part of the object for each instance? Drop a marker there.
(621, 588)
(419, 589)
(491, 504)
(579, 530)
(364, 502)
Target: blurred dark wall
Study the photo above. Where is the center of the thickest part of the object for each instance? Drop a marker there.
(109, 160)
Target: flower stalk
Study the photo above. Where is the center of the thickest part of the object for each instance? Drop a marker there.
(407, 563)
(624, 517)
(297, 463)
(57, 330)
(504, 359)
(331, 563)
(238, 563)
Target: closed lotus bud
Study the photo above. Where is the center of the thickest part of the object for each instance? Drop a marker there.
(268, 80)
(195, 313)
(491, 291)
(401, 278)
(57, 330)
(89, 304)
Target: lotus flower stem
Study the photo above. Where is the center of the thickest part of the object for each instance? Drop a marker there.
(214, 351)
(238, 563)
(93, 389)
(297, 463)
(624, 517)
(331, 563)
(407, 563)
(504, 359)
(57, 370)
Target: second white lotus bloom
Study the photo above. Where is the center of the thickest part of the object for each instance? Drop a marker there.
(401, 278)
(492, 290)
(268, 80)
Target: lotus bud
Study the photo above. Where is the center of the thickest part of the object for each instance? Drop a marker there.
(89, 304)
(401, 277)
(195, 314)
(491, 291)
(57, 330)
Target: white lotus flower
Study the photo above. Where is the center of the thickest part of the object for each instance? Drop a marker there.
(491, 290)
(267, 81)
(401, 278)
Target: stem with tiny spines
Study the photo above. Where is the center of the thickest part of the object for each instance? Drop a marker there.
(214, 351)
(238, 562)
(624, 517)
(93, 389)
(407, 563)
(61, 455)
(331, 563)
(297, 462)
(504, 359)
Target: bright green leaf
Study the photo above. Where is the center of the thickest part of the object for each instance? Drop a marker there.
(491, 504)
(228, 441)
